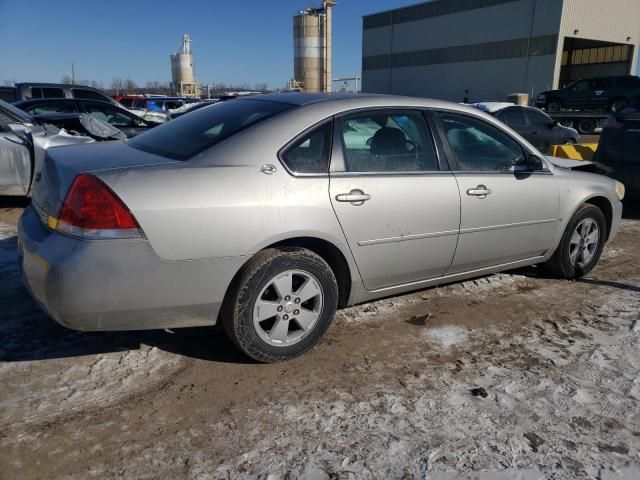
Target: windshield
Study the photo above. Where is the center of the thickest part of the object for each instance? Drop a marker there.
(184, 137)
(15, 113)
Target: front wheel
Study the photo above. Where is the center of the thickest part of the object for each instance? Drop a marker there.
(581, 245)
(554, 105)
(281, 304)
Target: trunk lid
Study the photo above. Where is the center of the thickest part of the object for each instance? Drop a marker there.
(61, 165)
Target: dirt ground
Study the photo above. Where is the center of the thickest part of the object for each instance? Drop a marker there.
(514, 375)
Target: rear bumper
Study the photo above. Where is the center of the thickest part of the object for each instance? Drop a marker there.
(118, 284)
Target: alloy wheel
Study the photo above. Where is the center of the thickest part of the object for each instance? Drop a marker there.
(288, 308)
(584, 242)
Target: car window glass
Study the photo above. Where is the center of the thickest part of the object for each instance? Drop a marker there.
(139, 104)
(581, 86)
(514, 117)
(190, 134)
(36, 92)
(380, 141)
(477, 145)
(600, 83)
(310, 154)
(538, 118)
(58, 107)
(87, 94)
(109, 115)
(126, 102)
(52, 93)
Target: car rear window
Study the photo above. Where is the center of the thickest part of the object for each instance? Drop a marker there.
(184, 137)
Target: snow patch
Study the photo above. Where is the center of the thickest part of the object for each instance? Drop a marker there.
(447, 336)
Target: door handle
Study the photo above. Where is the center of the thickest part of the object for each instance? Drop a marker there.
(356, 197)
(480, 191)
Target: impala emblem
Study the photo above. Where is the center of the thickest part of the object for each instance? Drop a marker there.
(268, 169)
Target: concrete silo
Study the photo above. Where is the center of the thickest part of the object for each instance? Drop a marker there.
(183, 80)
(312, 49)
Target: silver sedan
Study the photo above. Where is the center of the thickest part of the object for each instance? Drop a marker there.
(268, 213)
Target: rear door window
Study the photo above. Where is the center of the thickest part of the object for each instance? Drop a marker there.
(388, 141)
(126, 102)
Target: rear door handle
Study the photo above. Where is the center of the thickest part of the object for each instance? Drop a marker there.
(480, 191)
(355, 197)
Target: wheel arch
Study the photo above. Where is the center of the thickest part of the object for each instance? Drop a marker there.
(327, 250)
(604, 204)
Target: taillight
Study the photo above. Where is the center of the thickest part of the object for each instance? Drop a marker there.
(92, 210)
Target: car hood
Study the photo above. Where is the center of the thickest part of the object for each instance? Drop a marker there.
(582, 165)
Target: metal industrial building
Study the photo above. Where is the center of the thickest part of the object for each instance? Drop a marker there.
(488, 49)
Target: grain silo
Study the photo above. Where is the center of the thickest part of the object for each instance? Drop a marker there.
(183, 80)
(312, 49)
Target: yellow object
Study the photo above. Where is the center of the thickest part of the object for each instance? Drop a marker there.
(581, 151)
(52, 222)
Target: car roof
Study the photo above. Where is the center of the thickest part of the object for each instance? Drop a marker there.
(352, 100)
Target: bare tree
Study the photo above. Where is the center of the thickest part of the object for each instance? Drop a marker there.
(66, 79)
(261, 87)
(8, 83)
(130, 86)
(117, 86)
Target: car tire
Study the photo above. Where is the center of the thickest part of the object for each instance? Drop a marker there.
(618, 104)
(554, 105)
(266, 312)
(586, 126)
(579, 250)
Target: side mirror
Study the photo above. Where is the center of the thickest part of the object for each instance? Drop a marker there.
(534, 163)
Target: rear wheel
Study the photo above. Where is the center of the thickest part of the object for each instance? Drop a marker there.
(586, 125)
(281, 304)
(581, 245)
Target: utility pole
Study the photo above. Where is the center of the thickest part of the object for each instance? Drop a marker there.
(73, 75)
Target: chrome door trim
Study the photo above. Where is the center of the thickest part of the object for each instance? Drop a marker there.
(507, 225)
(417, 236)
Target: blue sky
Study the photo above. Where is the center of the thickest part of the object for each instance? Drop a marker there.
(239, 42)
(247, 41)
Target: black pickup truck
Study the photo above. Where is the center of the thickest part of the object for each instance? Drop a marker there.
(602, 93)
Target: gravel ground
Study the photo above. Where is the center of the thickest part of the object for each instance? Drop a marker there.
(509, 376)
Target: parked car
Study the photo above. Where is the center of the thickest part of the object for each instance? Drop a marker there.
(608, 93)
(129, 123)
(23, 141)
(533, 124)
(619, 149)
(190, 107)
(30, 90)
(264, 215)
(8, 94)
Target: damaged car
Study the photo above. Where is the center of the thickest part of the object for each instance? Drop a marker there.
(125, 121)
(24, 140)
(266, 214)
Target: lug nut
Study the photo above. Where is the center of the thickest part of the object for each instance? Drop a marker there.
(286, 317)
(297, 300)
(280, 308)
(296, 312)
(287, 298)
